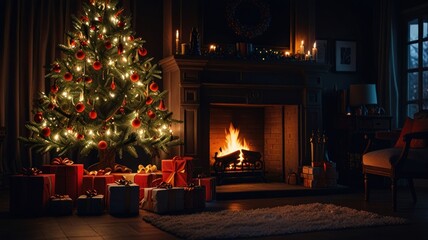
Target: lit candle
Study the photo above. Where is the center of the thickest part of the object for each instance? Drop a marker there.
(314, 51)
(177, 41)
(302, 48)
(287, 53)
(212, 48)
(308, 55)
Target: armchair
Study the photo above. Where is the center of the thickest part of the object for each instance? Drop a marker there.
(407, 159)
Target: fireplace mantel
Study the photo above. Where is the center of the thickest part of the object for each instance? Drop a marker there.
(195, 83)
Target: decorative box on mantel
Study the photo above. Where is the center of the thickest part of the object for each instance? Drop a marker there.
(206, 82)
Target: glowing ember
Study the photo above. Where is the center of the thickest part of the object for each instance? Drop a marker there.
(232, 142)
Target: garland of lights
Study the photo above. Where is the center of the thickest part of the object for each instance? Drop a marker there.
(248, 31)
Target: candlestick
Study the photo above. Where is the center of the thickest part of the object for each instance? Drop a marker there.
(314, 51)
(177, 41)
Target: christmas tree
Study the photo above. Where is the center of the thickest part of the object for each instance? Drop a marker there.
(103, 95)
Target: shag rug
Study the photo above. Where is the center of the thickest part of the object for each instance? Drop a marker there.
(267, 221)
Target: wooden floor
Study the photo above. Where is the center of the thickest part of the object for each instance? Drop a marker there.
(108, 227)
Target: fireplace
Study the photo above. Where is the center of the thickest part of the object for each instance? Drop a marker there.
(275, 106)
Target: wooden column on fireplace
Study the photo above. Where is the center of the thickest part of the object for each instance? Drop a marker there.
(196, 83)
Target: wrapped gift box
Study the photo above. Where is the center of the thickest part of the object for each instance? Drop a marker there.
(210, 187)
(90, 205)
(30, 195)
(68, 178)
(162, 200)
(60, 205)
(99, 183)
(123, 199)
(145, 180)
(177, 171)
(194, 198)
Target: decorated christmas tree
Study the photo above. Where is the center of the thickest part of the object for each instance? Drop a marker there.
(103, 94)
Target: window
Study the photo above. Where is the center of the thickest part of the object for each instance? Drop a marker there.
(417, 65)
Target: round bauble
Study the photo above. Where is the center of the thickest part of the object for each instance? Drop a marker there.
(72, 42)
(113, 85)
(93, 114)
(84, 19)
(108, 44)
(97, 65)
(142, 51)
(56, 68)
(83, 43)
(54, 88)
(134, 77)
(68, 76)
(80, 136)
(136, 123)
(88, 79)
(102, 144)
(80, 107)
(131, 38)
(151, 114)
(46, 132)
(38, 117)
(120, 24)
(80, 55)
(154, 86)
(149, 100)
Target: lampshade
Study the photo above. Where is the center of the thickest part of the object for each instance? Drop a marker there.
(362, 94)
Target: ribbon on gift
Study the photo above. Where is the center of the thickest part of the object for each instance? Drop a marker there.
(176, 170)
(91, 193)
(117, 168)
(147, 169)
(123, 181)
(61, 161)
(60, 197)
(31, 171)
(164, 185)
(189, 187)
(100, 172)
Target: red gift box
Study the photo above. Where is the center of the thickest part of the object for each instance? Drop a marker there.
(68, 178)
(98, 183)
(177, 171)
(30, 195)
(145, 180)
(210, 187)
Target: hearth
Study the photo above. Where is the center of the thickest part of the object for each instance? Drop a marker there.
(275, 106)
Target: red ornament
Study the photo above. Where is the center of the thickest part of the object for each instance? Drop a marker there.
(84, 18)
(100, 36)
(102, 144)
(149, 100)
(113, 85)
(135, 77)
(151, 114)
(107, 44)
(100, 19)
(46, 132)
(51, 106)
(131, 38)
(161, 106)
(72, 42)
(80, 107)
(54, 88)
(56, 68)
(120, 24)
(80, 55)
(121, 110)
(119, 48)
(38, 117)
(97, 65)
(154, 86)
(83, 43)
(93, 114)
(93, 28)
(79, 79)
(142, 51)
(88, 79)
(136, 123)
(80, 136)
(68, 76)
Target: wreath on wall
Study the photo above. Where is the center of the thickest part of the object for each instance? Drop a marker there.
(248, 31)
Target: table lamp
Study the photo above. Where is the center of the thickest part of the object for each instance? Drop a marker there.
(361, 95)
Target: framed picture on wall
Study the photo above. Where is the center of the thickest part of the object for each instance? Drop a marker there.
(346, 56)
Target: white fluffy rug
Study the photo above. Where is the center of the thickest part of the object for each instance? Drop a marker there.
(267, 221)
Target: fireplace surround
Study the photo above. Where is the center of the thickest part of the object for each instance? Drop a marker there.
(282, 100)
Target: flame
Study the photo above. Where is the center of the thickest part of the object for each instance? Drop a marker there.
(233, 142)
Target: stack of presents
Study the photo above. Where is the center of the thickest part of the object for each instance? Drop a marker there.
(63, 186)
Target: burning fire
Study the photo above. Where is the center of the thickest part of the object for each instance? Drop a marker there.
(232, 142)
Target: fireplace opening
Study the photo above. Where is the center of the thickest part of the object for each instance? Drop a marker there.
(268, 136)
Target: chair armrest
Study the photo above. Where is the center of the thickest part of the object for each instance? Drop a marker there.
(392, 135)
(415, 135)
(382, 138)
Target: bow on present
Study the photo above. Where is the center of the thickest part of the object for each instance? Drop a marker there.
(148, 169)
(117, 168)
(178, 171)
(190, 187)
(91, 193)
(123, 181)
(61, 161)
(164, 185)
(100, 172)
(31, 171)
(60, 197)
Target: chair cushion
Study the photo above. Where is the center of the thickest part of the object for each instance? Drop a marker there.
(416, 161)
(407, 128)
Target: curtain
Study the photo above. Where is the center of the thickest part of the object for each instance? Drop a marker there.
(388, 72)
(31, 31)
